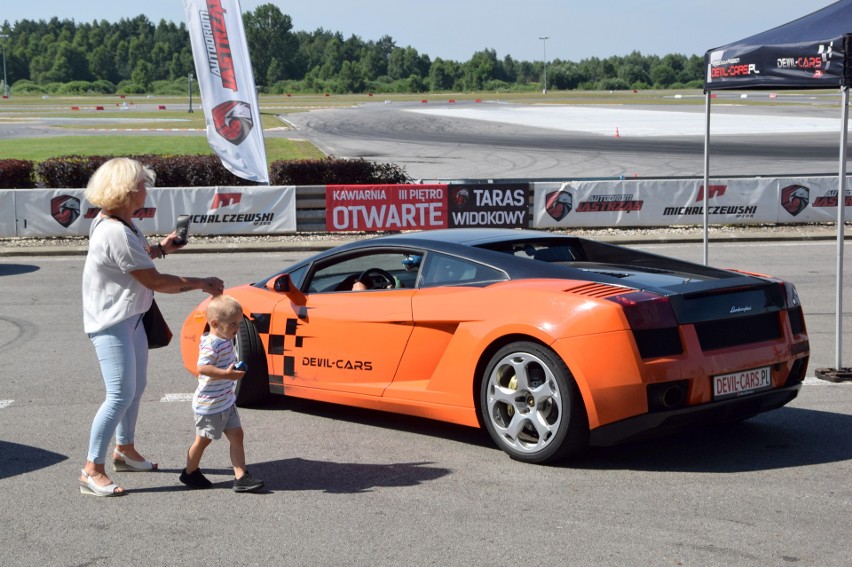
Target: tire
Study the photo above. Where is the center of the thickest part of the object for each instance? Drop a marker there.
(253, 388)
(531, 406)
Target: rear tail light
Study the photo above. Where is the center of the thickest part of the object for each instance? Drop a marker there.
(797, 321)
(791, 295)
(794, 307)
(653, 322)
(646, 310)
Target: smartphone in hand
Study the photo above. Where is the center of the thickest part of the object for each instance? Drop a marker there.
(182, 229)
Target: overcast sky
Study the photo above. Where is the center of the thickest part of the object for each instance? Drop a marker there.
(456, 29)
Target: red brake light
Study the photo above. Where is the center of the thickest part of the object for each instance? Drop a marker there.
(646, 310)
(791, 296)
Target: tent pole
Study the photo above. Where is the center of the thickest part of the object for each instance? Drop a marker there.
(706, 188)
(841, 209)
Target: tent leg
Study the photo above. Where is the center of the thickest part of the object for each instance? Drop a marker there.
(838, 373)
(841, 219)
(706, 174)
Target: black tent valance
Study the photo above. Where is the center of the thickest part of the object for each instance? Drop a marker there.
(812, 52)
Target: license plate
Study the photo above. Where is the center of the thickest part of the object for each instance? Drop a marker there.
(741, 383)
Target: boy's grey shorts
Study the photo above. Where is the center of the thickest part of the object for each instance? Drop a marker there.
(212, 426)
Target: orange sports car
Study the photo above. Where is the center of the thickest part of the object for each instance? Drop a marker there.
(550, 342)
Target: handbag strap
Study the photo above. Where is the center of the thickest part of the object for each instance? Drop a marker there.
(122, 221)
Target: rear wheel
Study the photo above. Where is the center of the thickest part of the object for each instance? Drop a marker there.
(253, 387)
(531, 405)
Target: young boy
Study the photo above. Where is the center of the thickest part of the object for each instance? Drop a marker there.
(214, 399)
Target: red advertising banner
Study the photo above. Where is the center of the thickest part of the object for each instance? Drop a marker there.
(385, 207)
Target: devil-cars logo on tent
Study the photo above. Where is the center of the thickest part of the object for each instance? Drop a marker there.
(558, 204)
(233, 120)
(795, 198)
(65, 209)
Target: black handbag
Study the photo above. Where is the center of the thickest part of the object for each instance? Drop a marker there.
(159, 334)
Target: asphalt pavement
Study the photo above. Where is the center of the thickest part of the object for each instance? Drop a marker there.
(358, 488)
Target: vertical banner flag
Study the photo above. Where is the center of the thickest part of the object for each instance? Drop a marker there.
(228, 93)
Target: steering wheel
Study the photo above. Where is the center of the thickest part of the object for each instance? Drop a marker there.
(377, 278)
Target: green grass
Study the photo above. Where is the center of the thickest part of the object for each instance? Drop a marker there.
(40, 149)
(144, 112)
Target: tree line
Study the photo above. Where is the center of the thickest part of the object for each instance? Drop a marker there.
(135, 56)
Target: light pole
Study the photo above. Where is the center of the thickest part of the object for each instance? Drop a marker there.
(5, 84)
(544, 44)
(189, 82)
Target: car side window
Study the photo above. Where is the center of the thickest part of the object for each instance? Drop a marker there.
(442, 269)
(545, 251)
(297, 276)
(383, 270)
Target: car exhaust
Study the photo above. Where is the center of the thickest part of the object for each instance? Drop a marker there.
(667, 396)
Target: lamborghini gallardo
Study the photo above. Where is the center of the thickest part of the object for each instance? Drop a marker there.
(551, 343)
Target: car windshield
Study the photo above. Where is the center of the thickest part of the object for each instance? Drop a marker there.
(389, 269)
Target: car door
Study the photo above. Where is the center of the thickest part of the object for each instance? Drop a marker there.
(449, 295)
(344, 340)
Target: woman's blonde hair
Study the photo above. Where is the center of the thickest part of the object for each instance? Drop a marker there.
(113, 184)
(223, 308)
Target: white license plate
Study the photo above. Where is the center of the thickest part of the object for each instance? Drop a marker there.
(741, 383)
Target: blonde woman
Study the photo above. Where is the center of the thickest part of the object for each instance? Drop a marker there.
(119, 281)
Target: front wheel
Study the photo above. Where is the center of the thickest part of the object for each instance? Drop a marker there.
(253, 388)
(531, 406)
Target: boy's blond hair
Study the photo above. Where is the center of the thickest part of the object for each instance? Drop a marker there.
(222, 308)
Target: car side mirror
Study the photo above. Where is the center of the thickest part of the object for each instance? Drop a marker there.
(283, 284)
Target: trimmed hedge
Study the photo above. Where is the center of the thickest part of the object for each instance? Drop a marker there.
(67, 171)
(332, 171)
(16, 174)
(191, 171)
(172, 171)
(199, 171)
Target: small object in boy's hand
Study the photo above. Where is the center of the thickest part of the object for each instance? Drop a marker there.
(241, 366)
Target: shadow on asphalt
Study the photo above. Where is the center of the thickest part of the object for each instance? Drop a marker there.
(384, 420)
(342, 478)
(287, 475)
(17, 459)
(17, 269)
(783, 438)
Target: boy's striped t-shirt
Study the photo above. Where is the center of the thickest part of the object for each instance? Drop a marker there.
(214, 396)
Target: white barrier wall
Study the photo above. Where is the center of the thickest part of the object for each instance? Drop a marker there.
(624, 203)
(7, 213)
(664, 202)
(214, 210)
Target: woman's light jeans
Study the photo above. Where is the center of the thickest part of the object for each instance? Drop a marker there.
(123, 354)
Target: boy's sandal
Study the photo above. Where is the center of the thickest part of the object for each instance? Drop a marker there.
(89, 486)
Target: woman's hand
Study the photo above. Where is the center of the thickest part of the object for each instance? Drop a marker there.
(169, 245)
(212, 285)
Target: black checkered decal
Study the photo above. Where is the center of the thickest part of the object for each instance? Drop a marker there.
(278, 344)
